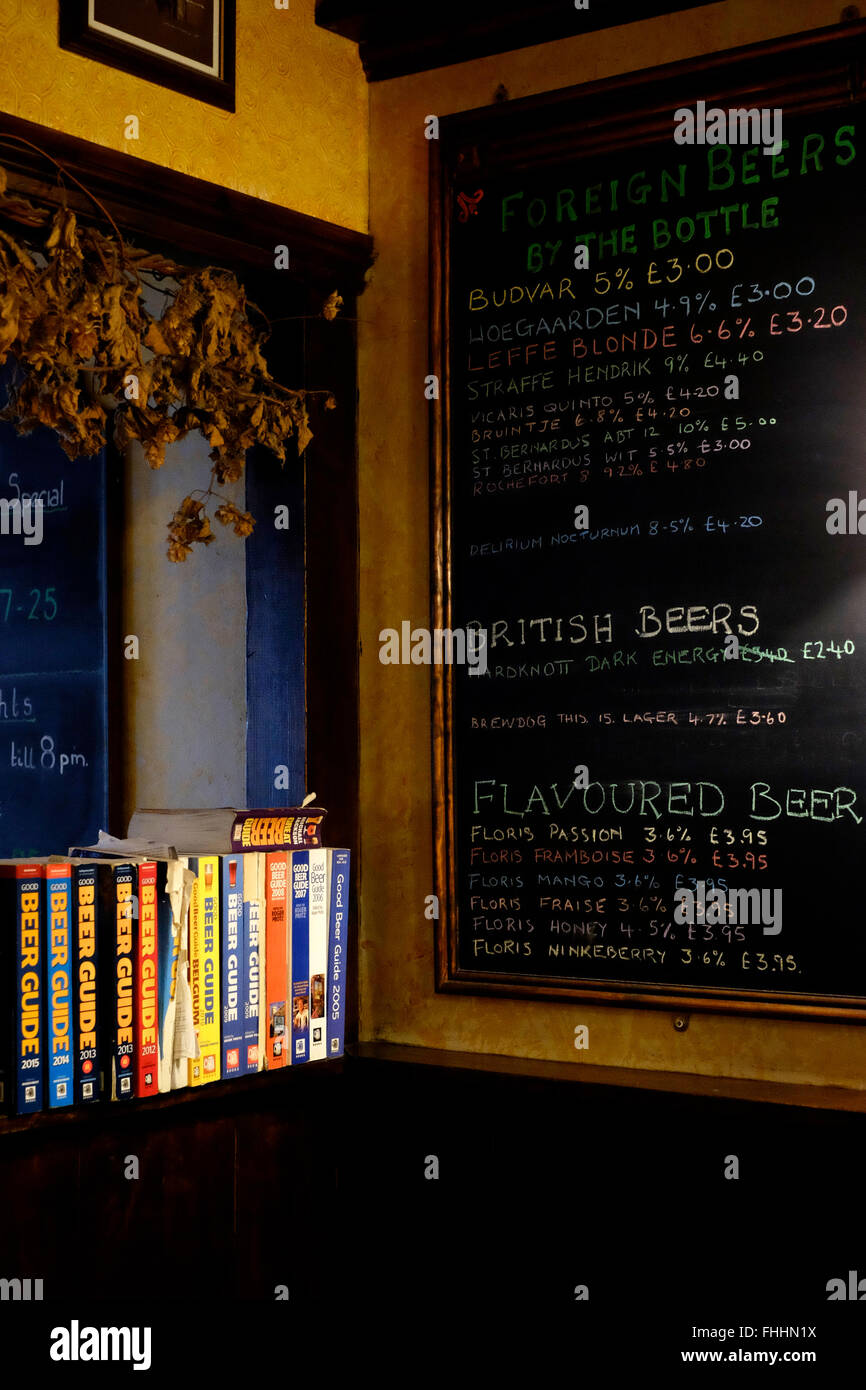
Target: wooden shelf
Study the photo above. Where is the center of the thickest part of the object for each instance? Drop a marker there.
(581, 1074)
(218, 1098)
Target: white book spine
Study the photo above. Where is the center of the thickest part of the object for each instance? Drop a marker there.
(320, 880)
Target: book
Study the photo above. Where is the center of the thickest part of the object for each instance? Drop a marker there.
(233, 971)
(147, 984)
(94, 894)
(58, 988)
(222, 830)
(209, 1030)
(338, 918)
(169, 906)
(299, 956)
(95, 965)
(21, 925)
(253, 1056)
(194, 1074)
(279, 829)
(205, 969)
(277, 957)
(184, 1036)
(320, 884)
(119, 984)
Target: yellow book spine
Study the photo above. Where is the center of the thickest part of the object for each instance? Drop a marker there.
(211, 1013)
(195, 976)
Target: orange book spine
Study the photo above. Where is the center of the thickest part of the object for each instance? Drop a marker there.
(276, 956)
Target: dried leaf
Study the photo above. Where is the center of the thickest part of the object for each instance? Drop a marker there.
(332, 306)
(230, 515)
(63, 232)
(305, 434)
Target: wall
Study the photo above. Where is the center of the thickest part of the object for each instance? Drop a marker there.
(398, 1002)
(298, 136)
(183, 698)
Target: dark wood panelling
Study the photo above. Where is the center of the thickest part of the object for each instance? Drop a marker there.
(395, 38)
(188, 217)
(38, 1211)
(231, 1186)
(135, 1228)
(287, 1220)
(546, 1183)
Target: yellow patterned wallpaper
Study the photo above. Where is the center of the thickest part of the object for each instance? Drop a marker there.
(398, 1001)
(298, 136)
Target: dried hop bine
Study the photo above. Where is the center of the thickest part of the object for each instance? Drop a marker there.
(73, 320)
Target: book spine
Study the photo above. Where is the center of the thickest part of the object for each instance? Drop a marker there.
(253, 961)
(87, 1051)
(209, 1033)
(276, 948)
(300, 956)
(147, 995)
(273, 830)
(195, 967)
(122, 1023)
(234, 975)
(337, 941)
(58, 993)
(181, 1016)
(30, 1042)
(8, 994)
(320, 883)
(167, 948)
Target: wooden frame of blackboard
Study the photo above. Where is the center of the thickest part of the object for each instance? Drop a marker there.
(202, 223)
(803, 73)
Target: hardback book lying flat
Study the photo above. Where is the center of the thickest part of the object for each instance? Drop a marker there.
(225, 830)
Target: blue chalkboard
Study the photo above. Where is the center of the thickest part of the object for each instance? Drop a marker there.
(53, 645)
(276, 717)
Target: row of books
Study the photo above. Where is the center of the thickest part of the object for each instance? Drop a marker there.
(125, 978)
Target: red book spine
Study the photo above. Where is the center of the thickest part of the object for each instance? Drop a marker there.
(277, 957)
(146, 974)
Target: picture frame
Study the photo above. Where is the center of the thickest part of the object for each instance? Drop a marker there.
(186, 45)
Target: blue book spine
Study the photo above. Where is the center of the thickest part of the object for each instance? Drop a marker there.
(30, 1038)
(339, 899)
(86, 1054)
(299, 961)
(234, 976)
(253, 980)
(59, 990)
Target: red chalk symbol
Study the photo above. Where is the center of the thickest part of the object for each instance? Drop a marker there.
(468, 204)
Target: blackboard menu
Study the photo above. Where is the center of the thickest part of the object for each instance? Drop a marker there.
(53, 660)
(649, 465)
